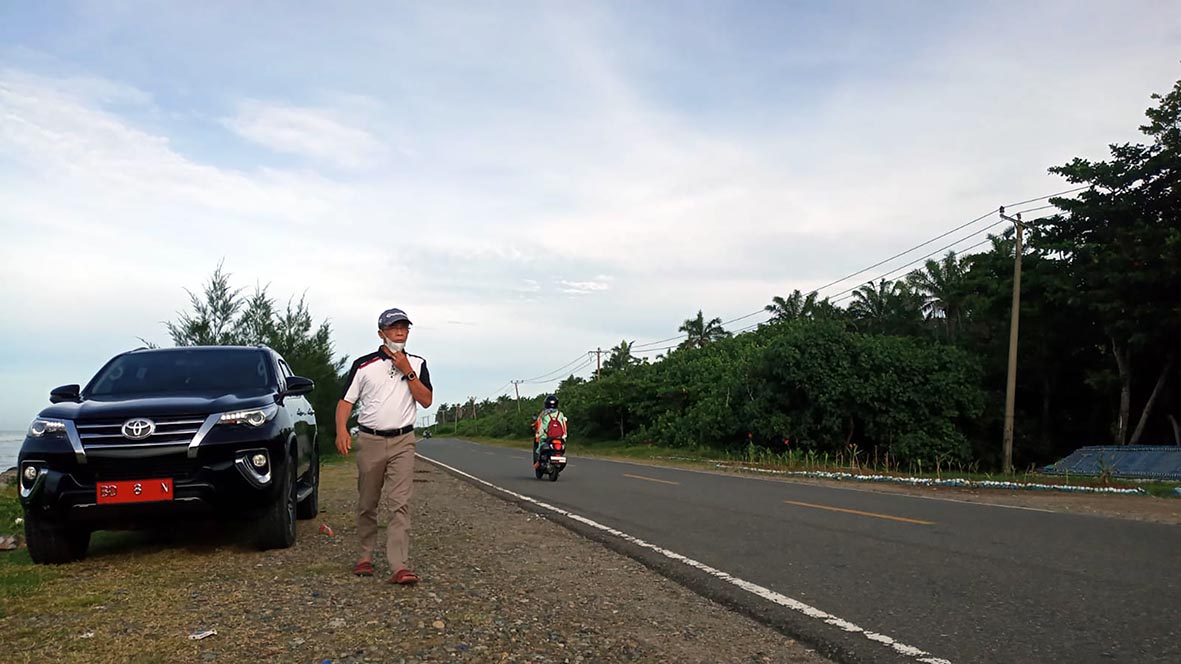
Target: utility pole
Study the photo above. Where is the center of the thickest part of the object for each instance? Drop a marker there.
(473, 400)
(1011, 381)
(598, 363)
(517, 389)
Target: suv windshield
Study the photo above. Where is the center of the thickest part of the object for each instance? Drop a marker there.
(184, 370)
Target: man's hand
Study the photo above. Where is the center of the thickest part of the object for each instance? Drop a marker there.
(402, 363)
(344, 440)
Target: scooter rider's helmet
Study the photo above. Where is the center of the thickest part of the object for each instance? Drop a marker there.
(551, 402)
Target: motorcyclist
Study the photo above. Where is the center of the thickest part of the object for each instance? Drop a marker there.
(550, 423)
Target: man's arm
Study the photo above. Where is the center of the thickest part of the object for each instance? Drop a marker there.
(344, 440)
(421, 392)
(344, 408)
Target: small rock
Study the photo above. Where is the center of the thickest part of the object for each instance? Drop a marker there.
(439, 624)
(337, 622)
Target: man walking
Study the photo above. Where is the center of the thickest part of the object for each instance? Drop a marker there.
(389, 384)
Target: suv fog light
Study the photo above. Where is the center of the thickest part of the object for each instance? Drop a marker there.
(30, 473)
(259, 460)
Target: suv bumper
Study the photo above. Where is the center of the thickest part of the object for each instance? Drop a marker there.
(221, 481)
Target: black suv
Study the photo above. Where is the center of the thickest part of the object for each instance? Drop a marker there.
(159, 434)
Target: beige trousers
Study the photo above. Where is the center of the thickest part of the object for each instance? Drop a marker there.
(385, 463)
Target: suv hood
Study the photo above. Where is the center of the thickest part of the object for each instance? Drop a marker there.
(158, 405)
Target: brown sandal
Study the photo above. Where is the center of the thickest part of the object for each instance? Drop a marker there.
(404, 577)
(364, 568)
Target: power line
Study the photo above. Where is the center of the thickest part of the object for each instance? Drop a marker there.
(1036, 209)
(965, 249)
(850, 293)
(652, 343)
(497, 392)
(920, 259)
(653, 350)
(817, 291)
(1042, 198)
(586, 363)
(903, 253)
(558, 370)
(750, 327)
(853, 274)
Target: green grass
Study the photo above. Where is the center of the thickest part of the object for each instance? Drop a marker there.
(19, 577)
(10, 511)
(332, 458)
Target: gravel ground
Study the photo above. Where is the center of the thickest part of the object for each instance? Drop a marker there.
(498, 585)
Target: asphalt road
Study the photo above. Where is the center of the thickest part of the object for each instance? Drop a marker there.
(961, 582)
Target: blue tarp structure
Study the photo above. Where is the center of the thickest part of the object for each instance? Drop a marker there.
(1137, 461)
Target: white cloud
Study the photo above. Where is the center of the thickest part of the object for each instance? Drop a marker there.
(583, 287)
(314, 133)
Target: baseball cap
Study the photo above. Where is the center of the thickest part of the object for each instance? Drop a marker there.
(391, 316)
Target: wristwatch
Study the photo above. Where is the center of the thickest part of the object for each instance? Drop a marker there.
(411, 376)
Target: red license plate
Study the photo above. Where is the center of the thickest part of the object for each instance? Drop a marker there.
(134, 491)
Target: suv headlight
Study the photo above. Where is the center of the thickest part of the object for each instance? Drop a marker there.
(255, 417)
(43, 427)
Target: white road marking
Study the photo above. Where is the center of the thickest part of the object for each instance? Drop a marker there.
(918, 654)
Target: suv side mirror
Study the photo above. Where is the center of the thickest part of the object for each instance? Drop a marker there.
(65, 393)
(297, 385)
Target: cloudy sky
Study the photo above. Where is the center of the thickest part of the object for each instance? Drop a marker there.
(528, 180)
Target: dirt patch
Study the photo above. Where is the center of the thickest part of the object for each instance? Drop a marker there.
(499, 585)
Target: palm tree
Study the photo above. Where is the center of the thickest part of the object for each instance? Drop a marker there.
(871, 303)
(941, 284)
(796, 306)
(889, 307)
(701, 332)
(620, 358)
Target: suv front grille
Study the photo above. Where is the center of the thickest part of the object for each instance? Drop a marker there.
(177, 467)
(168, 430)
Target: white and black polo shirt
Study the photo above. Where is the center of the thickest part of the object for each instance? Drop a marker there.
(383, 392)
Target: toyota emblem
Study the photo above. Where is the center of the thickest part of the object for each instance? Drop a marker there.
(138, 429)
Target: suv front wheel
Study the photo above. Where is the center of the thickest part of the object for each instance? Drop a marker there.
(52, 543)
(276, 529)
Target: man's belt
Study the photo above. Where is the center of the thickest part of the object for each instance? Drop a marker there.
(387, 433)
